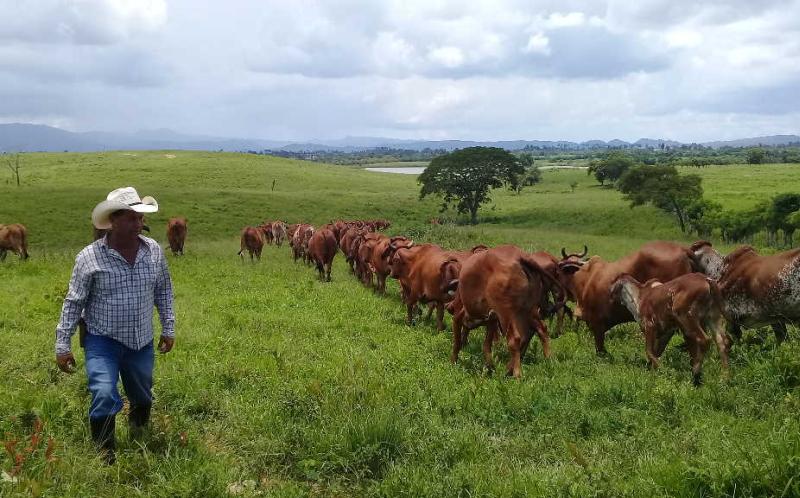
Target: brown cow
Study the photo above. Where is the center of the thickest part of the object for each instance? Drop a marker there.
(13, 237)
(382, 253)
(176, 234)
(322, 248)
(502, 289)
(253, 241)
(299, 241)
(691, 302)
(758, 290)
(591, 282)
(364, 269)
(424, 273)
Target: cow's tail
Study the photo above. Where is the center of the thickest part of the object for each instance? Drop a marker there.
(532, 268)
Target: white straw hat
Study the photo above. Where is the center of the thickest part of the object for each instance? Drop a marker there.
(121, 198)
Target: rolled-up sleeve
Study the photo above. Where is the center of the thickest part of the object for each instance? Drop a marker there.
(80, 285)
(163, 298)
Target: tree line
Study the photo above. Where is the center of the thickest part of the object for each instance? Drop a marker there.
(682, 197)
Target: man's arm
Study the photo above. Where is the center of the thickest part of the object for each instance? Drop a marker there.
(163, 299)
(79, 286)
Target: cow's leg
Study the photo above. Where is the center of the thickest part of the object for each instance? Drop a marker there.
(780, 331)
(717, 326)
(328, 269)
(518, 331)
(698, 345)
(491, 332)
(650, 338)
(735, 330)
(599, 338)
(439, 316)
(541, 331)
(3, 253)
(458, 325)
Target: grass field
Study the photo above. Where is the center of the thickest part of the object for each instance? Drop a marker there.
(280, 385)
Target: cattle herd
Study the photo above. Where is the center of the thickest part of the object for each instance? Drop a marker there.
(663, 286)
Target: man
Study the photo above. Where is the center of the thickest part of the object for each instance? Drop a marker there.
(115, 283)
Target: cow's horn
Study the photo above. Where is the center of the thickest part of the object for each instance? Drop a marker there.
(410, 244)
(563, 253)
(585, 251)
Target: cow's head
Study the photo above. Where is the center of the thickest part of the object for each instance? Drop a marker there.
(706, 259)
(398, 264)
(396, 243)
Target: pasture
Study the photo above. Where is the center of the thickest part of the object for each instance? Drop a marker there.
(281, 385)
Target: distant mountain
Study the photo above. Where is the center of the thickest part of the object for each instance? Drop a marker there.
(18, 137)
(755, 142)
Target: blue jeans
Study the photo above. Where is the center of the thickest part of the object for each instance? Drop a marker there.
(106, 361)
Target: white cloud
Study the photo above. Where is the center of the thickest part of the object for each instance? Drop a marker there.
(538, 43)
(494, 69)
(449, 57)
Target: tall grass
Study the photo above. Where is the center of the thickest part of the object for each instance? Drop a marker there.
(280, 385)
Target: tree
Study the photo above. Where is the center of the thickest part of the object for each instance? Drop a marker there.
(611, 167)
(662, 187)
(12, 161)
(755, 155)
(464, 177)
(531, 176)
(702, 215)
(783, 206)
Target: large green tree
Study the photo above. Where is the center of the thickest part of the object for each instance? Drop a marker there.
(662, 187)
(465, 177)
(611, 167)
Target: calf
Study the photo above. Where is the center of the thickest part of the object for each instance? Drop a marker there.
(176, 234)
(322, 247)
(590, 282)
(758, 290)
(14, 238)
(253, 241)
(691, 302)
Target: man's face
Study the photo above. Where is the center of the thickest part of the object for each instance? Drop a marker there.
(127, 223)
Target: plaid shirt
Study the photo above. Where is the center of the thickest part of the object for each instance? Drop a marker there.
(117, 298)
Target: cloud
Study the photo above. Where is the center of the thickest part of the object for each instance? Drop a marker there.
(486, 69)
(82, 22)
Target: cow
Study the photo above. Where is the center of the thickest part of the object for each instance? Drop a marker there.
(502, 289)
(176, 234)
(424, 273)
(302, 233)
(279, 232)
(590, 282)
(14, 237)
(346, 244)
(691, 302)
(322, 248)
(253, 241)
(381, 254)
(364, 268)
(757, 290)
(266, 228)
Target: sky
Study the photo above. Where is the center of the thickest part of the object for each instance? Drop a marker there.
(691, 71)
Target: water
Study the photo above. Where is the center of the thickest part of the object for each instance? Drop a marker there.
(416, 170)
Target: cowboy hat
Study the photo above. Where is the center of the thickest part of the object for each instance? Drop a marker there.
(122, 198)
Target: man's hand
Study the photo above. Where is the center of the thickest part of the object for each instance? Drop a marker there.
(66, 362)
(165, 344)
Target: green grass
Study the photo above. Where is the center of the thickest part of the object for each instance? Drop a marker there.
(280, 385)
